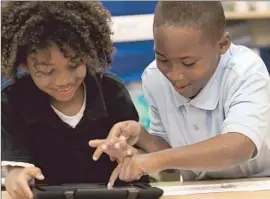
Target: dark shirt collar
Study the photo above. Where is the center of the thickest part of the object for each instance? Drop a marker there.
(37, 104)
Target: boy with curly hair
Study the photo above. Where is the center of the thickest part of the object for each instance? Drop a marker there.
(64, 97)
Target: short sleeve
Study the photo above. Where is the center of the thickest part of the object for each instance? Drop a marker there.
(247, 109)
(13, 138)
(156, 125)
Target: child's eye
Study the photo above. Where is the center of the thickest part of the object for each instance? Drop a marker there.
(160, 58)
(47, 73)
(189, 64)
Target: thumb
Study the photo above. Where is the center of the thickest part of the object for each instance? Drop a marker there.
(35, 172)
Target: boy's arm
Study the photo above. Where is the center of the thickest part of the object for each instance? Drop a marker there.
(247, 112)
(215, 154)
(150, 142)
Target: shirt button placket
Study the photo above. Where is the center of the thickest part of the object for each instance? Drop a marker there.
(195, 127)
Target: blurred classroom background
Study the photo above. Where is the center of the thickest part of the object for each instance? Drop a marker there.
(247, 21)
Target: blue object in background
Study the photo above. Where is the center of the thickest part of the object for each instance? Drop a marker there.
(131, 58)
(143, 110)
(120, 8)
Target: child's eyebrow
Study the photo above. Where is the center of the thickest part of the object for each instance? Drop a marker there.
(36, 62)
(184, 57)
(159, 53)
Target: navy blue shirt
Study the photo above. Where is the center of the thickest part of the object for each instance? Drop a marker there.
(33, 133)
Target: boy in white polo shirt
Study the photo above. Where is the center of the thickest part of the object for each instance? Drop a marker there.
(209, 101)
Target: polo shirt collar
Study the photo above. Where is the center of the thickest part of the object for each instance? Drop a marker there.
(208, 97)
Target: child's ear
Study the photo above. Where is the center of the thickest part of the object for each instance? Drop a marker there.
(224, 43)
(22, 67)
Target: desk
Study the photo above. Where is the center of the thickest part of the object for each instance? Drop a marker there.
(224, 195)
(235, 195)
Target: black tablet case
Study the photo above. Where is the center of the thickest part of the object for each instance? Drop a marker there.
(97, 191)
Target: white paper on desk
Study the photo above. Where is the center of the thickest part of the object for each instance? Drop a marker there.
(214, 188)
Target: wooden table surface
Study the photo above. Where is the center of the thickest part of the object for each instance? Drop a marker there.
(223, 195)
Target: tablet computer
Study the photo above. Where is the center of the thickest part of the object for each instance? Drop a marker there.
(97, 191)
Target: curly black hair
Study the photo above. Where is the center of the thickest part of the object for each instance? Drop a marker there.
(32, 25)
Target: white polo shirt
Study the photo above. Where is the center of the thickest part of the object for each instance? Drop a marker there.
(235, 99)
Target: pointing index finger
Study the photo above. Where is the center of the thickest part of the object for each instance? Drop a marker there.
(114, 175)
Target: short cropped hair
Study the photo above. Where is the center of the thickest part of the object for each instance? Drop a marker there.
(207, 16)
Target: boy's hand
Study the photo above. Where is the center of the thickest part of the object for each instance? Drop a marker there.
(116, 148)
(17, 180)
(132, 168)
(128, 131)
